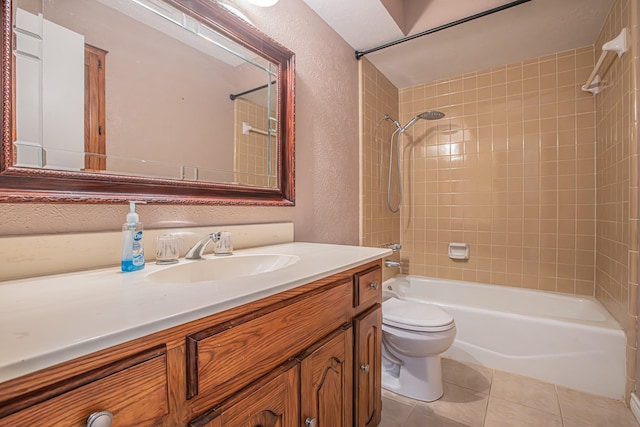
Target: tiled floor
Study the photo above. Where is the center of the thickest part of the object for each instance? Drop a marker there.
(478, 396)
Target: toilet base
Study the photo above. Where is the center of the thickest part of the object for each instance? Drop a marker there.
(419, 378)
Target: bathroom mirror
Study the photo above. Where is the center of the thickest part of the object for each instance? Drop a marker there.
(160, 100)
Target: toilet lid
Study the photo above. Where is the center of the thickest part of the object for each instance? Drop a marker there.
(415, 316)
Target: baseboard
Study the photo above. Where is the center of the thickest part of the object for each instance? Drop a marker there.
(634, 404)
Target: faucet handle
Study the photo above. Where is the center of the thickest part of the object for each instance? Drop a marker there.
(222, 243)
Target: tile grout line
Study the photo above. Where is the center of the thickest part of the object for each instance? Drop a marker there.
(486, 409)
(555, 388)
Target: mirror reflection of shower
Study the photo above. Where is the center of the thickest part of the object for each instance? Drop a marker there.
(427, 115)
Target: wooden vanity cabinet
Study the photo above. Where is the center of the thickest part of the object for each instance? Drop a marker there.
(368, 347)
(314, 389)
(216, 366)
(225, 358)
(291, 359)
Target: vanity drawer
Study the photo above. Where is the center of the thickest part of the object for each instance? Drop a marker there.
(273, 400)
(227, 357)
(367, 287)
(136, 395)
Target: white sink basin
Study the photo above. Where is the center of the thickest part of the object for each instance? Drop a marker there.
(223, 268)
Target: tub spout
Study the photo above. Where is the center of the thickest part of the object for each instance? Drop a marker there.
(389, 263)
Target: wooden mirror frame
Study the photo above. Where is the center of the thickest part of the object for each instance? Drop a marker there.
(19, 184)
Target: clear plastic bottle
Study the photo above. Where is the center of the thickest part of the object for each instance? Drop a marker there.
(132, 245)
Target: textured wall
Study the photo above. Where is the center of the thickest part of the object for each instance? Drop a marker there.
(326, 149)
(326, 123)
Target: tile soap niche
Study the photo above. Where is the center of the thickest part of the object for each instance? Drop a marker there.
(459, 251)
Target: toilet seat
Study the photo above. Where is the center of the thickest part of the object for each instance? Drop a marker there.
(415, 316)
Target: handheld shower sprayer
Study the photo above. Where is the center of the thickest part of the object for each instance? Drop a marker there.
(427, 115)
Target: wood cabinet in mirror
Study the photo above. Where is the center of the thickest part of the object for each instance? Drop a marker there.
(92, 182)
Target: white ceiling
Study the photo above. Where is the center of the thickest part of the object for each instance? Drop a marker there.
(531, 29)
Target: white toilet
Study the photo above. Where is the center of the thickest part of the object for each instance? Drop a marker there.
(414, 334)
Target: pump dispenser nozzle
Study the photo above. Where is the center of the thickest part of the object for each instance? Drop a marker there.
(132, 216)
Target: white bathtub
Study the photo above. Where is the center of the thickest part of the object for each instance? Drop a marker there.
(567, 340)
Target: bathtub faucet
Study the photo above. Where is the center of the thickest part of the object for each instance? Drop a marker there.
(389, 263)
(395, 247)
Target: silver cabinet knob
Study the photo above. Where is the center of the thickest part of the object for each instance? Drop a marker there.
(373, 285)
(311, 422)
(100, 419)
(365, 368)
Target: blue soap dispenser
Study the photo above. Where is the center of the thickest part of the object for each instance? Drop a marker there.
(132, 247)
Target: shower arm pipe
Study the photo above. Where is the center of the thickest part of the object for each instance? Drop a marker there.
(361, 53)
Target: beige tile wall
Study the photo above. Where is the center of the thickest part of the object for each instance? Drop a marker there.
(510, 171)
(255, 161)
(546, 196)
(378, 97)
(617, 180)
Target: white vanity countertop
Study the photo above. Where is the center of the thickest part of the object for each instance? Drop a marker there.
(51, 319)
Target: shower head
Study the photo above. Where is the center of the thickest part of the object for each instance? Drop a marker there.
(431, 115)
(427, 115)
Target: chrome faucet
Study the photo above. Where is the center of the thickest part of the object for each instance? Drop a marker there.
(389, 263)
(395, 247)
(198, 249)
(222, 239)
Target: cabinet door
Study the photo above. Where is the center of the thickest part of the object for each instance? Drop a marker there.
(326, 381)
(368, 367)
(272, 401)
